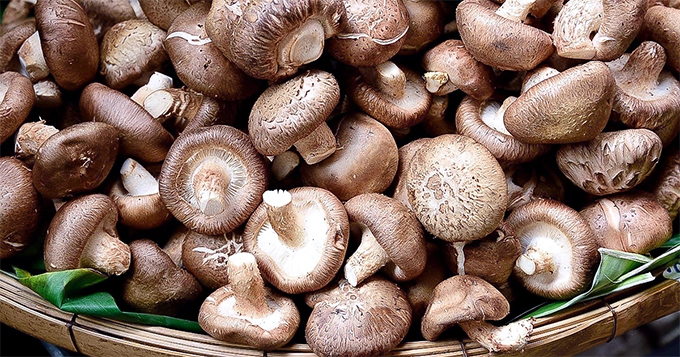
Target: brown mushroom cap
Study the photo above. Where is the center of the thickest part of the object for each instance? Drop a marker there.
(391, 237)
(16, 101)
(530, 181)
(163, 12)
(271, 39)
(83, 234)
(129, 50)
(426, 25)
(299, 238)
(419, 290)
(559, 249)
(406, 154)
(206, 257)
(19, 202)
(75, 160)
(368, 320)
(661, 25)
(569, 107)
(212, 179)
(11, 40)
(632, 222)
(68, 42)
(155, 285)
(612, 162)
(666, 187)
(104, 14)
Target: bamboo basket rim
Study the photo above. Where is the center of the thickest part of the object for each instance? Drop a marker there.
(569, 332)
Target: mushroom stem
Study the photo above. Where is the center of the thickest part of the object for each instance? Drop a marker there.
(157, 81)
(434, 81)
(30, 137)
(535, 261)
(47, 94)
(284, 217)
(506, 338)
(247, 286)
(645, 64)
(460, 256)
(516, 10)
(302, 46)
(367, 259)
(316, 146)
(136, 179)
(386, 77)
(492, 115)
(31, 57)
(106, 253)
(573, 27)
(210, 181)
(169, 103)
(283, 164)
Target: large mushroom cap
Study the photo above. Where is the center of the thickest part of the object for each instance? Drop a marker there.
(206, 257)
(19, 202)
(661, 25)
(16, 101)
(212, 179)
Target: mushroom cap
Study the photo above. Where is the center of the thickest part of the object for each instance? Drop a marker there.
(12, 40)
(632, 222)
(426, 25)
(155, 285)
(368, 320)
(141, 136)
(419, 291)
(206, 257)
(556, 226)
(19, 202)
(406, 154)
(199, 63)
(374, 32)
(313, 264)
(138, 211)
(235, 156)
(287, 112)
(162, 12)
(76, 223)
(666, 187)
(569, 107)
(130, 49)
(462, 298)
(661, 25)
(104, 14)
(533, 180)
(68, 42)
(16, 101)
(75, 160)
(396, 229)
(612, 162)
(456, 188)
(486, 37)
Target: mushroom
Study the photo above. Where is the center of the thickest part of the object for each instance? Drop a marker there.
(247, 312)
(11, 40)
(16, 10)
(174, 245)
(666, 187)
(47, 94)
(156, 82)
(391, 237)
(271, 40)
(615, 23)
(75, 160)
(426, 25)
(186, 108)
(294, 113)
(212, 179)
(457, 190)
(16, 101)
(612, 162)
(661, 26)
(163, 12)
(406, 154)
(358, 135)
(419, 291)
(299, 238)
(375, 31)
(530, 181)
(206, 257)
(32, 60)
(502, 339)
(104, 14)
(569, 107)
(130, 49)
(632, 222)
(83, 234)
(29, 137)
(368, 320)
(19, 202)
(155, 285)
(68, 42)
(559, 249)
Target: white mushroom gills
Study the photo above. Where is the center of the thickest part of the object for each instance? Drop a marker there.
(573, 28)
(164, 104)
(367, 259)
(515, 10)
(283, 217)
(538, 76)
(547, 253)
(209, 180)
(105, 252)
(302, 46)
(136, 179)
(492, 114)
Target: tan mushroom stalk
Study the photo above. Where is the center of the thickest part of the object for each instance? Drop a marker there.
(83, 234)
(666, 187)
(559, 249)
(612, 162)
(29, 138)
(615, 23)
(19, 202)
(185, 108)
(156, 82)
(294, 113)
(206, 257)
(661, 26)
(391, 237)
(47, 94)
(32, 60)
(271, 40)
(16, 101)
(299, 238)
(507, 338)
(247, 312)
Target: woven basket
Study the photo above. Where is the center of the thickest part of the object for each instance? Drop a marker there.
(568, 333)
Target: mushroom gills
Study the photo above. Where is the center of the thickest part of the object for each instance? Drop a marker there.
(492, 114)
(546, 255)
(105, 252)
(302, 46)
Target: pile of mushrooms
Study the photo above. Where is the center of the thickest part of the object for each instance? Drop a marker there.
(395, 165)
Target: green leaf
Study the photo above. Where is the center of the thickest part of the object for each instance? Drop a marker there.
(56, 286)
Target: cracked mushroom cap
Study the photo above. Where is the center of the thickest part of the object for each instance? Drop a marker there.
(631, 222)
(559, 249)
(19, 202)
(206, 257)
(295, 113)
(368, 320)
(462, 298)
(391, 237)
(299, 238)
(83, 234)
(272, 39)
(212, 179)
(662, 26)
(16, 101)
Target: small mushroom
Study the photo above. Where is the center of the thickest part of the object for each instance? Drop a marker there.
(368, 320)
(299, 238)
(212, 179)
(426, 25)
(11, 40)
(666, 187)
(502, 339)
(559, 249)
(661, 25)
(83, 234)
(163, 12)
(247, 312)
(28, 139)
(16, 101)
(406, 154)
(206, 257)
(19, 202)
